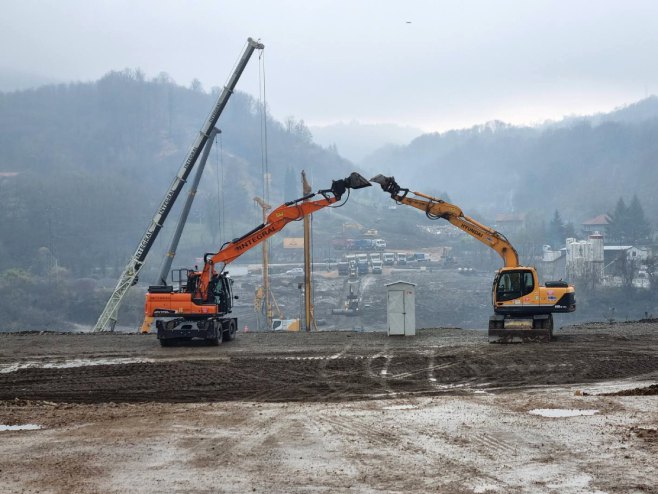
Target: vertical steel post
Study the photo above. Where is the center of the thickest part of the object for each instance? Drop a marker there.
(308, 294)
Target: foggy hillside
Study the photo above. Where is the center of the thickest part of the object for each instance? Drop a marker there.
(84, 166)
(355, 140)
(576, 165)
(12, 79)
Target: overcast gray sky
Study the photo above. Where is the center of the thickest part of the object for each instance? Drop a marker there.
(431, 64)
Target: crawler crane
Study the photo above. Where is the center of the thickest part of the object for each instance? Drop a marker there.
(200, 305)
(523, 309)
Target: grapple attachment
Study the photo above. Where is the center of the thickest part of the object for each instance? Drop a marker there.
(388, 184)
(354, 181)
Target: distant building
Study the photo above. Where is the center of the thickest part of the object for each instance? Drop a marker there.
(614, 252)
(553, 263)
(585, 259)
(598, 224)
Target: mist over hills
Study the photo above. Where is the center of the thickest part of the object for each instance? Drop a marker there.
(83, 167)
(356, 140)
(16, 80)
(580, 165)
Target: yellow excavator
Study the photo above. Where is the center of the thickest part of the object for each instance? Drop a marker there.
(523, 308)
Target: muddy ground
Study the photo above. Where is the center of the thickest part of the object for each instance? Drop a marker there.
(444, 411)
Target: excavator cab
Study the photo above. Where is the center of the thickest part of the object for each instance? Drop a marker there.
(222, 291)
(513, 284)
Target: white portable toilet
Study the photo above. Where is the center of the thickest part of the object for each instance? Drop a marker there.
(401, 308)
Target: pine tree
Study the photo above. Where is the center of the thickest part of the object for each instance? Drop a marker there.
(638, 226)
(556, 231)
(619, 223)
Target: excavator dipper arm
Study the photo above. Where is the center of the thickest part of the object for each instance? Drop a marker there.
(435, 208)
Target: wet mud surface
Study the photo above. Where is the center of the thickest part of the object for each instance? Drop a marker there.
(340, 412)
(316, 367)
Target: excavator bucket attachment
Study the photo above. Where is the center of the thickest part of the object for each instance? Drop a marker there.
(381, 180)
(388, 184)
(356, 181)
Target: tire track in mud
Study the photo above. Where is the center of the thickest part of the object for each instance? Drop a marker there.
(335, 388)
(352, 427)
(379, 377)
(492, 444)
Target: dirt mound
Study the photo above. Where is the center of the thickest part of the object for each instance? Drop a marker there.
(647, 391)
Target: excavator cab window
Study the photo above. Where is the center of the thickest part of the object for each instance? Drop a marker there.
(223, 293)
(514, 284)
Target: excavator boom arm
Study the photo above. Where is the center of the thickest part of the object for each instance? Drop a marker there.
(276, 220)
(436, 208)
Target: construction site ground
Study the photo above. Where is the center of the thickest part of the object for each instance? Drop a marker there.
(337, 411)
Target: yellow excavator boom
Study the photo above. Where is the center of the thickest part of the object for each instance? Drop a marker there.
(436, 208)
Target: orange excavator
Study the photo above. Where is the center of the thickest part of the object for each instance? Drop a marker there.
(200, 305)
(523, 308)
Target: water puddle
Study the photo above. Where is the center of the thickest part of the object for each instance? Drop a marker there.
(24, 427)
(561, 412)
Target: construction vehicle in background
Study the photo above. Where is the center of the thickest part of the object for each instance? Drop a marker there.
(129, 276)
(523, 308)
(201, 303)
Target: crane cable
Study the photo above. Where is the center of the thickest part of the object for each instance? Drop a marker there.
(219, 165)
(262, 96)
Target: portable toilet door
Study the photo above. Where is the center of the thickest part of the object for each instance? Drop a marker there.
(401, 308)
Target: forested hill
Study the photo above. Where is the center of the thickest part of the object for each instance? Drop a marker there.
(580, 166)
(83, 166)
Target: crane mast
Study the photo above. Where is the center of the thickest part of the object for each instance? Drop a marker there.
(173, 246)
(128, 278)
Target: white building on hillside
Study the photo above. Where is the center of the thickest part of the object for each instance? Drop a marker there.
(585, 258)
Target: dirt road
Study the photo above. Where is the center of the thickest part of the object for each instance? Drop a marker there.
(332, 412)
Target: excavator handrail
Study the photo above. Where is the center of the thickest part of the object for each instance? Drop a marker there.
(436, 208)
